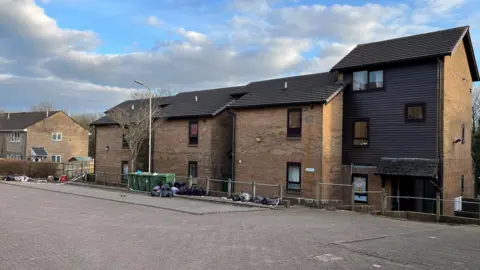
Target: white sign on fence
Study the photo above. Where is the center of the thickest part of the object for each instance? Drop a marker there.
(310, 169)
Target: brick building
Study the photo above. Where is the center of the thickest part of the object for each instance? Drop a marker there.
(393, 114)
(41, 136)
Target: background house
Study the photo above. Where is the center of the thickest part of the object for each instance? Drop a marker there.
(41, 136)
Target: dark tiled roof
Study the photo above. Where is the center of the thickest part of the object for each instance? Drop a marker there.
(22, 120)
(408, 167)
(432, 44)
(185, 104)
(207, 102)
(300, 89)
(39, 151)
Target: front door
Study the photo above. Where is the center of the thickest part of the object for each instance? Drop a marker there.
(124, 171)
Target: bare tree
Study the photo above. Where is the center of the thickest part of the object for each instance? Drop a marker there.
(475, 108)
(84, 120)
(157, 92)
(42, 106)
(134, 122)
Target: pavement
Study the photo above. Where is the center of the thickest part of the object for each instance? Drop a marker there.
(41, 229)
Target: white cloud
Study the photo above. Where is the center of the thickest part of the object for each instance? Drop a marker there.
(39, 60)
(153, 21)
(192, 36)
(429, 10)
(259, 7)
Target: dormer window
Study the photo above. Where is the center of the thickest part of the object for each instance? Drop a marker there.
(367, 80)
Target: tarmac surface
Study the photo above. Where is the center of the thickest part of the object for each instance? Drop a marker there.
(72, 227)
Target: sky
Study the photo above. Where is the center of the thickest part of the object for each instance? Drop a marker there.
(84, 55)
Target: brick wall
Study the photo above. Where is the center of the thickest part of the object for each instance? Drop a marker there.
(74, 141)
(457, 104)
(332, 145)
(265, 161)
(172, 151)
(108, 163)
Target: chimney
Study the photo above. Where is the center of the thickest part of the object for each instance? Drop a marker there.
(8, 115)
(285, 86)
(196, 98)
(47, 113)
(133, 107)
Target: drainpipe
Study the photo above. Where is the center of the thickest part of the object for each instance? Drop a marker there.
(440, 142)
(234, 116)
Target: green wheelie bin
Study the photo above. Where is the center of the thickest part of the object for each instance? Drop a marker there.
(159, 179)
(133, 181)
(144, 182)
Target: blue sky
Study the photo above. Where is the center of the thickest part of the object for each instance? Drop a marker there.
(84, 54)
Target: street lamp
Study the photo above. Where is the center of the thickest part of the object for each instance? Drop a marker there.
(149, 127)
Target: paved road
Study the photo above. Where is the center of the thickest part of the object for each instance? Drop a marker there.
(48, 230)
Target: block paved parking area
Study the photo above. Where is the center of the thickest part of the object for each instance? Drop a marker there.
(41, 229)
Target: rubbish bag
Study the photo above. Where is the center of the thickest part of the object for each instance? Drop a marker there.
(155, 193)
(271, 201)
(258, 199)
(236, 198)
(166, 193)
(174, 190)
(245, 197)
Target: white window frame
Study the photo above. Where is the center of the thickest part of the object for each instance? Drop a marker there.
(57, 158)
(18, 157)
(57, 136)
(15, 136)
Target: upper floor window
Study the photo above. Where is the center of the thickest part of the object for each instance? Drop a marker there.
(294, 123)
(360, 132)
(364, 80)
(193, 132)
(124, 141)
(415, 112)
(15, 137)
(57, 136)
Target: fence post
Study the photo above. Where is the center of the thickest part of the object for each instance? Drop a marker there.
(105, 176)
(82, 167)
(353, 198)
(229, 188)
(317, 194)
(253, 189)
(190, 180)
(280, 191)
(119, 177)
(383, 201)
(208, 186)
(437, 206)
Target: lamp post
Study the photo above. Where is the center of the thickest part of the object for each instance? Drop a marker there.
(149, 127)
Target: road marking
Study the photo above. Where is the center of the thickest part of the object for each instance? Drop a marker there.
(328, 258)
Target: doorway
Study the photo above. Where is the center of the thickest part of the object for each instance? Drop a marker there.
(124, 171)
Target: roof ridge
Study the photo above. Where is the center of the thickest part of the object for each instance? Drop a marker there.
(295, 76)
(416, 35)
(213, 89)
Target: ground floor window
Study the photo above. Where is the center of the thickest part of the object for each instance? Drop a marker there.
(360, 186)
(294, 176)
(56, 158)
(193, 169)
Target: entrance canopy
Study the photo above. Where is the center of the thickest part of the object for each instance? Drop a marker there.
(420, 167)
(38, 152)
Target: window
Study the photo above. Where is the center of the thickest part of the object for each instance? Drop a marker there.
(463, 133)
(18, 157)
(15, 137)
(9, 156)
(415, 112)
(56, 158)
(294, 176)
(364, 80)
(462, 184)
(294, 123)
(124, 141)
(360, 132)
(193, 132)
(192, 169)
(57, 136)
(360, 185)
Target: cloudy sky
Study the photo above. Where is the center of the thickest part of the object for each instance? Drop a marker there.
(84, 54)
